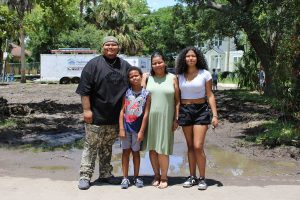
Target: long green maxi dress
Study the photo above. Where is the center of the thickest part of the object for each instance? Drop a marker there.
(159, 135)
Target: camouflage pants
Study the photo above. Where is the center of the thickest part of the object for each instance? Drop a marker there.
(98, 140)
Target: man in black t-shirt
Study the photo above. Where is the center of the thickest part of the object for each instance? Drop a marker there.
(102, 85)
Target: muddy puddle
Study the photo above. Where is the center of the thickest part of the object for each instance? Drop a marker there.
(225, 166)
(50, 168)
(219, 163)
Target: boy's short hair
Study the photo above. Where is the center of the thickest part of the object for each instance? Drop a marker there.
(136, 69)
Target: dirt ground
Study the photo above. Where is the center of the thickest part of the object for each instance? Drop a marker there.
(53, 109)
(50, 115)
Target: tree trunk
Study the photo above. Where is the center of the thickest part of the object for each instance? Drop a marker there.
(22, 38)
(296, 74)
(1, 60)
(1, 52)
(81, 8)
(264, 53)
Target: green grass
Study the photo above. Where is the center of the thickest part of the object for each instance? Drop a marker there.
(8, 123)
(276, 134)
(43, 148)
(229, 80)
(248, 96)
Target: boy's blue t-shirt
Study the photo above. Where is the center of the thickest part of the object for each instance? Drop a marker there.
(134, 109)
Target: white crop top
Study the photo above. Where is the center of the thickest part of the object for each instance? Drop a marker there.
(195, 88)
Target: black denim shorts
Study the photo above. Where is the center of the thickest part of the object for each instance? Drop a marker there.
(194, 114)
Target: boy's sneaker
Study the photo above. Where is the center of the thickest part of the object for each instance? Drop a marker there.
(191, 181)
(84, 184)
(138, 182)
(125, 183)
(202, 184)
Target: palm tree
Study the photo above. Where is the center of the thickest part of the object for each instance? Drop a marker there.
(21, 7)
(84, 3)
(113, 16)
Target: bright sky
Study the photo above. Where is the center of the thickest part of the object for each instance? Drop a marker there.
(156, 4)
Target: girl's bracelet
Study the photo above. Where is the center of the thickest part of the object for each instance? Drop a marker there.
(216, 116)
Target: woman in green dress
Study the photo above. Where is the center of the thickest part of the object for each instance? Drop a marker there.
(163, 115)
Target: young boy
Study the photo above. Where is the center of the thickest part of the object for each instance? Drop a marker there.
(262, 80)
(215, 80)
(133, 121)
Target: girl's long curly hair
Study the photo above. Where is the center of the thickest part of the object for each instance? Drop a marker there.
(182, 67)
(157, 54)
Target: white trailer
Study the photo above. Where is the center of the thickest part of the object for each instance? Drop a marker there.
(142, 62)
(67, 68)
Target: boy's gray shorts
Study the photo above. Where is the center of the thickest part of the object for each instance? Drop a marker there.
(130, 142)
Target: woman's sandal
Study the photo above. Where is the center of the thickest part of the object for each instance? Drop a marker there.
(163, 184)
(156, 181)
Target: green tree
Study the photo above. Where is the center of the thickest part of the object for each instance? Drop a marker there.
(264, 22)
(21, 7)
(114, 18)
(247, 70)
(8, 23)
(168, 30)
(139, 10)
(187, 29)
(158, 31)
(86, 4)
(47, 21)
(87, 36)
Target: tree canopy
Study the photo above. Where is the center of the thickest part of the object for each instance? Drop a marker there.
(270, 27)
(266, 30)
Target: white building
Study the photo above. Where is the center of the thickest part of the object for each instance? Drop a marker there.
(221, 54)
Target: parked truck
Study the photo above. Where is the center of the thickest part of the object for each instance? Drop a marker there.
(67, 68)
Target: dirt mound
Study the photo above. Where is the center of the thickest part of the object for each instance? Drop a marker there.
(4, 111)
(235, 111)
(31, 123)
(46, 106)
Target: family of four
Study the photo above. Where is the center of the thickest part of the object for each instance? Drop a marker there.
(118, 100)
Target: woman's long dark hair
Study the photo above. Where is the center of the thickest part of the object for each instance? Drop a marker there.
(157, 54)
(182, 67)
